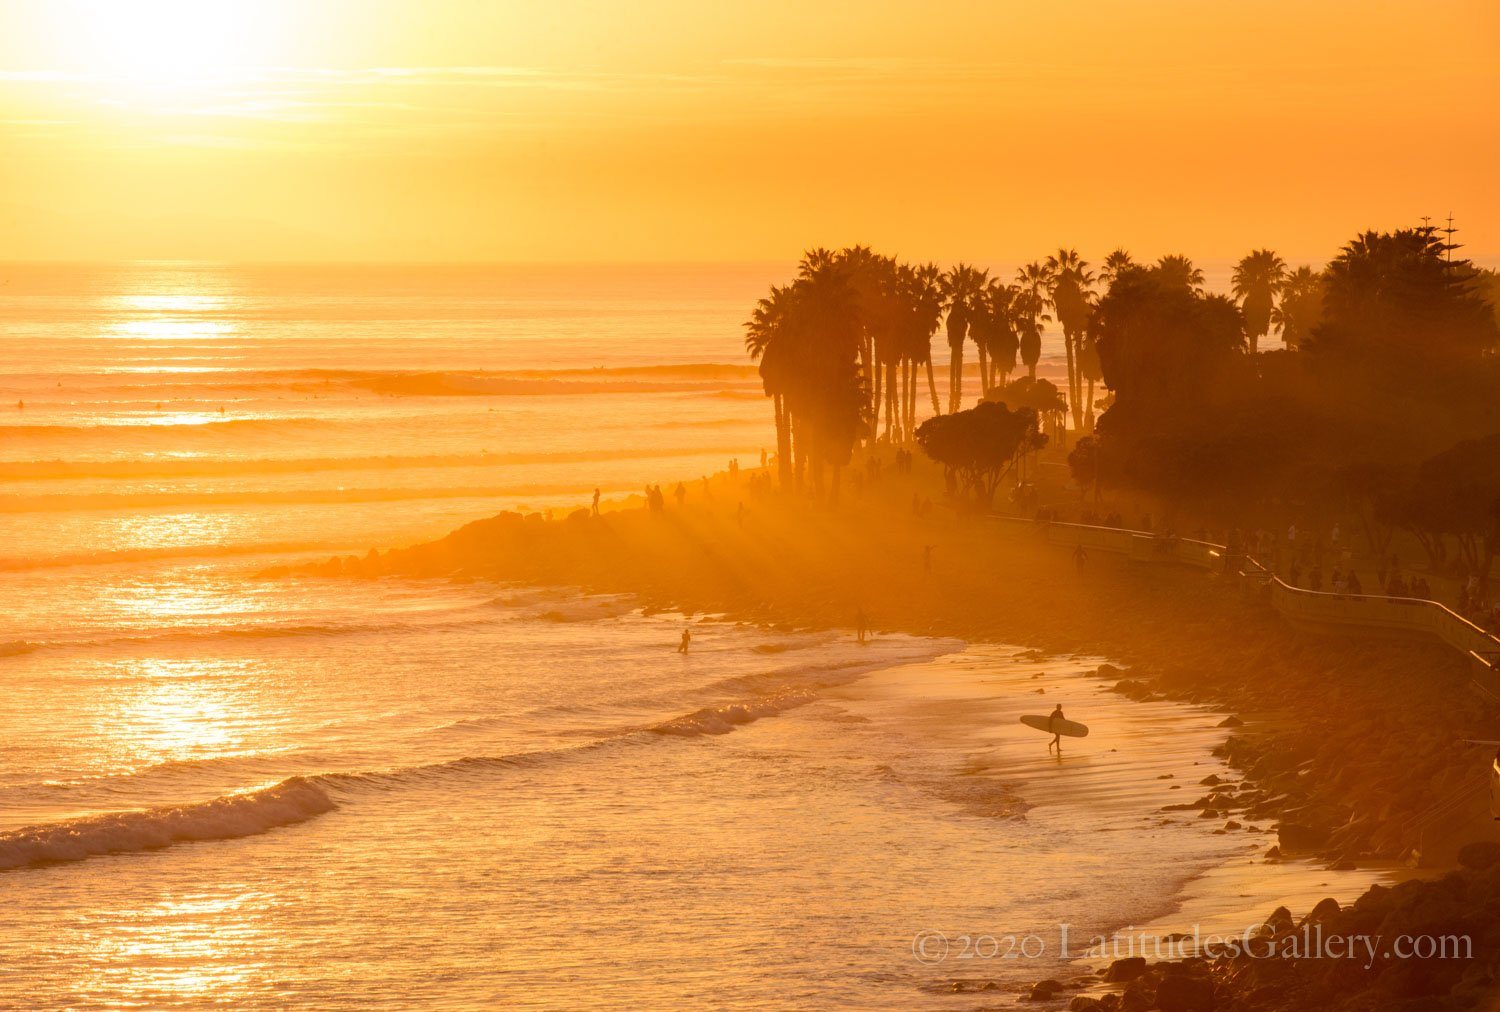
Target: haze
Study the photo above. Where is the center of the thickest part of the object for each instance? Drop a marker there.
(677, 131)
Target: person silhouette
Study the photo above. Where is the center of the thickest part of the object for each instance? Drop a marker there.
(687, 638)
(1052, 720)
(861, 625)
(596, 502)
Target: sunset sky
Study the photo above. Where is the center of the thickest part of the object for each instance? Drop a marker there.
(682, 130)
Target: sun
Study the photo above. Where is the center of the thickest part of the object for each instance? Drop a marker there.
(167, 43)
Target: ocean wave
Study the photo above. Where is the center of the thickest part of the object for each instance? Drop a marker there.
(233, 816)
(209, 467)
(554, 383)
(137, 430)
(16, 648)
(722, 719)
(111, 556)
(249, 632)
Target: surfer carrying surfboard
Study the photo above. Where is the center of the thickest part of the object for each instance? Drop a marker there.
(1052, 720)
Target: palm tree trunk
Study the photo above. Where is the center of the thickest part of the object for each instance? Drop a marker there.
(783, 444)
(911, 402)
(906, 386)
(984, 371)
(937, 408)
(956, 379)
(799, 453)
(875, 404)
(1088, 414)
(890, 401)
(1073, 385)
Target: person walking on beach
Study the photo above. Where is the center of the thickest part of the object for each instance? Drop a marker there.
(926, 558)
(1080, 557)
(1052, 720)
(861, 625)
(687, 638)
(680, 494)
(596, 502)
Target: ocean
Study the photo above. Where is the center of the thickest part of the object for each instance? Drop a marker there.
(221, 789)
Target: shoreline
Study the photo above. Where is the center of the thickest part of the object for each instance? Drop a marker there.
(1341, 742)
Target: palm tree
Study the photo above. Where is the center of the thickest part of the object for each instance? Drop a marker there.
(994, 332)
(1114, 265)
(768, 340)
(1089, 366)
(1300, 306)
(808, 338)
(1031, 304)
(961, 287)
(1070, 283)
(1257, 280)
(1176, 271)
(921, 291)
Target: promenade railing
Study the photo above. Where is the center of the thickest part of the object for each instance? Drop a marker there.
(1395, 614)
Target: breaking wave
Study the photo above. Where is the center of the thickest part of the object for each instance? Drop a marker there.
(294, 800)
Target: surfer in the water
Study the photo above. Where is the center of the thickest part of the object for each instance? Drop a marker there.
(1052, 720)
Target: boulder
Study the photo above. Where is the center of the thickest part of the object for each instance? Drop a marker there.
(1182, 993)
(1296, 836)
(1045, 990)
(1231, 721)
(1479, 855)
(1122, 970)
(1325, 911)
(1083, 1003)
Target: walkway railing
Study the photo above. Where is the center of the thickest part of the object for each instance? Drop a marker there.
(1400, 614)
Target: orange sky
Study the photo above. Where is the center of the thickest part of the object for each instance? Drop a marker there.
(680, 130)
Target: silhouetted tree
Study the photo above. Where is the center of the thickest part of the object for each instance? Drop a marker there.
(962, 286)
(1300, 308)
(1176, 271)
(808, 338)
(1398, 312)
(980, 445)
(1031, 304)
(1070, 282)
(1257, 280)
(1114, 265)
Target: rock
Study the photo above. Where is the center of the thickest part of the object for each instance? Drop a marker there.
(1295, 836)
(1108, 671)
(1045, 990)
(1181, 993)
(579, 516)
(1212, 780)
(1325, 910)
(1231, 721)
(1083, 1003)
(1479, 855)
(1231, 824)
(1280, 920)
(1126, 969)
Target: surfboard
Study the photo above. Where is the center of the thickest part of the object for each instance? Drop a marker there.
(1066, 728)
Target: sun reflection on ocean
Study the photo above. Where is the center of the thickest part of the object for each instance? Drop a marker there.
(180, 949)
